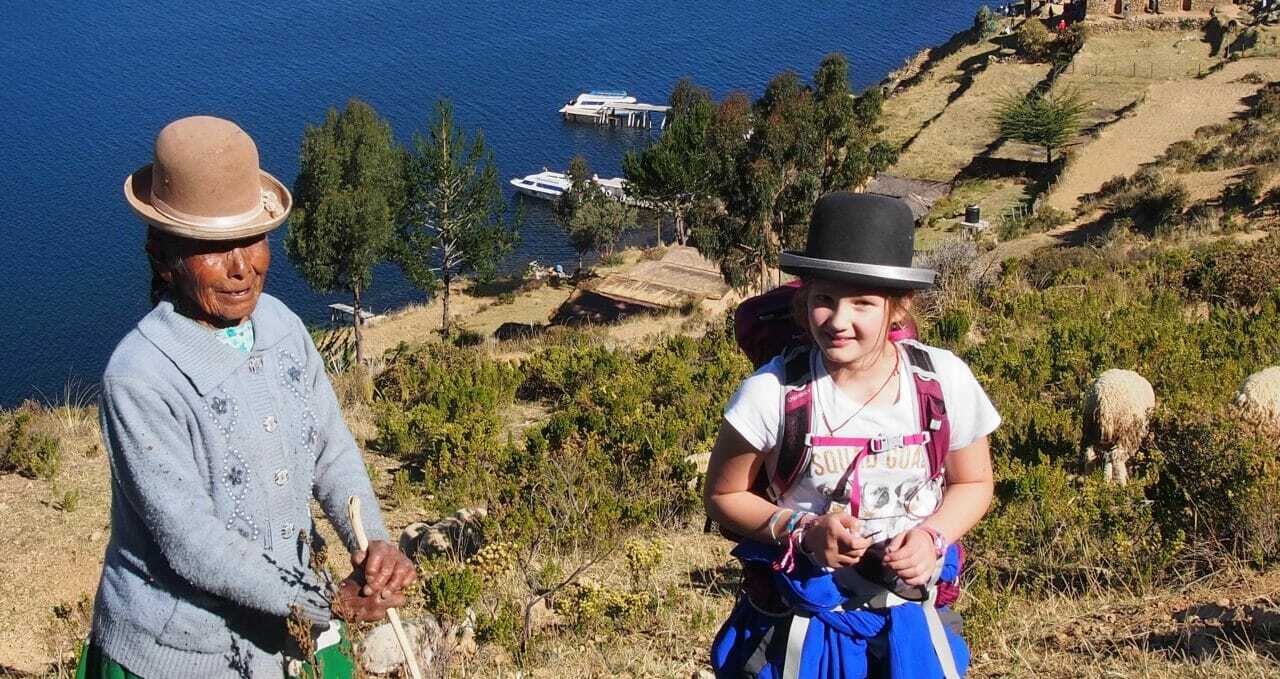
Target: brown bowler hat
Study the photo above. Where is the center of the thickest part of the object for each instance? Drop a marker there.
(205, 183)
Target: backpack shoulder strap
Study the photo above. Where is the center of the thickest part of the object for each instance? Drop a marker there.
(797, 410)
(933, 408)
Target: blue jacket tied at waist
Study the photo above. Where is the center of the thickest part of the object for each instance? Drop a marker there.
(753, 643)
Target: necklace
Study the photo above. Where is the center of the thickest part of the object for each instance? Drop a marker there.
(832, 430)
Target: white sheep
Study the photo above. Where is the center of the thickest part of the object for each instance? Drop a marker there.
(1258, 399)
(1117, 409)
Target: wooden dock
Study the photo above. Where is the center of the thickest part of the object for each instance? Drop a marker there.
(344, 312)
(624, 115)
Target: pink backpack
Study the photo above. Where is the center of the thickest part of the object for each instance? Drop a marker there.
(763, 328)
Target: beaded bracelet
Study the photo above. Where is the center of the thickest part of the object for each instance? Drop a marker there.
(773, 524)
(795, 519)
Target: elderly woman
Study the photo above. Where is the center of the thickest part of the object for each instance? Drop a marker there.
(220, 426)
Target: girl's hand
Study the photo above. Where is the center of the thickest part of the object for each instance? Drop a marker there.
(910, 556)
(833, 541)
(352, 606)
(385, 569)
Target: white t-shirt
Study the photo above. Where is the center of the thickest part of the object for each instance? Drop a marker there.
(896, 493)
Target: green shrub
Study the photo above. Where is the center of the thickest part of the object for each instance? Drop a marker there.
(1151, 204)
(1239, 274)
(1046, 218)
(26, 453)
(1033, 41)
(450, 590)
(1049, 532)
(1069, 42)
(1267, 104)
(465, 337)
(953, 326)
(589, 605)
(1246, 193)
(1220, 483)
(610, 456)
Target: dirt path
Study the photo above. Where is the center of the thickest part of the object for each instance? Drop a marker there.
(1172, 111)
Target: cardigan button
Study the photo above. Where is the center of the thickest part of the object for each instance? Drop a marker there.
(255, 363)
(282, 477)
(269, 423)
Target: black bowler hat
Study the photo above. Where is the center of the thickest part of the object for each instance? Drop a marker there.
(860, 238)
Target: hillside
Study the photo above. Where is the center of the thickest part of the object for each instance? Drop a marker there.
(583, 444)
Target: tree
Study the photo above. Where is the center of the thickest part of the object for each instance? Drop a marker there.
(592, 219)
(775, 157)
(1045, 120)
(849, 128)
(600, 222)
(457, 220)
(566, 207)
(985, 23)
(348, 194)
(678, 169)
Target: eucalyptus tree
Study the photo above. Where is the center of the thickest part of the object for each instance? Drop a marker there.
(792, 145)
(348, 194)
(590, 217)
(457, 221)
(679, 168)
(849, 128)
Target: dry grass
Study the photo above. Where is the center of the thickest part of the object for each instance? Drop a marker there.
(963, 129)
(52, 555)
(1170, 112)
(1114, 70)
(910, 109)
(1106, 634)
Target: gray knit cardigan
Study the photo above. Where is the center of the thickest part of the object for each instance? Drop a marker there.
(214, 457)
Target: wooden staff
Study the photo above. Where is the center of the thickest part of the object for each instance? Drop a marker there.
(362, 543)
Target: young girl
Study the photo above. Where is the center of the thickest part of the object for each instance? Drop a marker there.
(843, 553)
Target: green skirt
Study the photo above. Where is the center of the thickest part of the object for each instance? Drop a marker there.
(333, 656)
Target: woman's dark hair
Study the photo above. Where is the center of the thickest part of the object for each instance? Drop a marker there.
(160, 254)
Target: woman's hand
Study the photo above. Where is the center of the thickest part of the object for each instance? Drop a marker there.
(352, 606)
(833, 541)
(910, 555)
(384, 569)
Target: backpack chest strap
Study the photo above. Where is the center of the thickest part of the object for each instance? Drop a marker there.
(877, 444)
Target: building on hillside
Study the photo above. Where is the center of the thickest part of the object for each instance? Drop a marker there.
(918, 194)
(1096, 8)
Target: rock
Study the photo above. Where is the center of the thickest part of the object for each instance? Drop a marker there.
(542, 616)
(459, 535)
(466, 643)
(699, 461)
(514, 331)
(379, 652)
(459, 641)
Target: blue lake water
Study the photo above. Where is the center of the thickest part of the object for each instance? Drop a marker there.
(86, 86)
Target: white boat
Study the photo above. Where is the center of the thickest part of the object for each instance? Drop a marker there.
(549, 185)
(546, 185)
(590, 105)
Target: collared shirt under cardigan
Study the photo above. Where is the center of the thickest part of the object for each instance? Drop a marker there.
(214, 456)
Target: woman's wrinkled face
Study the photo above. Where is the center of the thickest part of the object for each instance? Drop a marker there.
(218, 283)
(849, 323)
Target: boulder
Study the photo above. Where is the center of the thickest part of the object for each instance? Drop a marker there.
(380, 653)
(459, 535)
